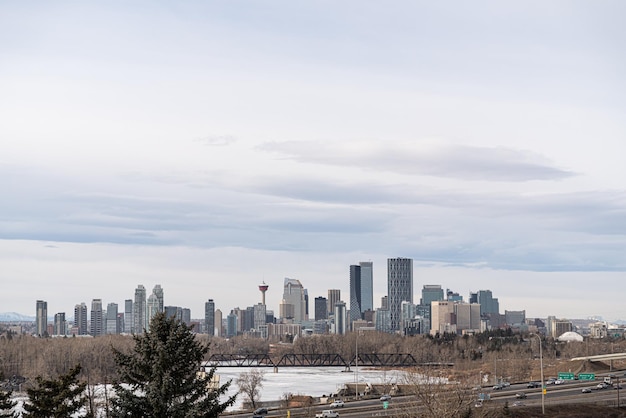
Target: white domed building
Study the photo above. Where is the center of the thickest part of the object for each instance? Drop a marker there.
(570, 336)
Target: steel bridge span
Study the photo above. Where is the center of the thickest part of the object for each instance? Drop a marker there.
(310, 360)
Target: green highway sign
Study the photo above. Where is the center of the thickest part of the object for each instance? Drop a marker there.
(566, 376)
(385, 404)
(586, 376)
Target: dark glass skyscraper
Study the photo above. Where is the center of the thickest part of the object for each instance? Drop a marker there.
(355, 293)
(209, 317)
(399, 288)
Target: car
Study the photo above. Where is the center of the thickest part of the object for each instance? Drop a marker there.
(260, 411)
(520, 395)
(617, 386)
(505, 384)
(327, 413)
(550, 381)
(385, 398)
(586, 390)
(498, 387)
(559, 381)
(531, 385)
(337, 404)
(518, 403)
(602, 385)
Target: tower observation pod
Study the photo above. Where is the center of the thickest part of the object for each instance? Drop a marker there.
(263, 288)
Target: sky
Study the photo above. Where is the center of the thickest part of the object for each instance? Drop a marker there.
(210, 146)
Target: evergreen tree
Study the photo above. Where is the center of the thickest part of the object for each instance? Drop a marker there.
(6, 405)
(160, 377)
(56, 398)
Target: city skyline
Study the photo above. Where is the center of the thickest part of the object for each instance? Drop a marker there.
(210, 147)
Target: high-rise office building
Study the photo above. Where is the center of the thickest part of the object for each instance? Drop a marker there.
(399, 287)
(355, 293)
(158, 292)
(334, 296)
(321, 309)
(173, 312)
(60, 327)
(430, 293)
(488, 304)
(294, 294)
(218, 323)
(185, 316)
(128, 316)
(80, 318)
(139, 310)
(231, 324)
(209, 317)
(367, 286)
(42, 317)
(259, 316)
(96, 324)
(112, 319)
(152, 308)
(341, 326)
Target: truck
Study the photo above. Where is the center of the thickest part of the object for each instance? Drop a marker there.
(327, 413)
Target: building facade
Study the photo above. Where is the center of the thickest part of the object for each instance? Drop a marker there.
(399, 288)
(42, 317)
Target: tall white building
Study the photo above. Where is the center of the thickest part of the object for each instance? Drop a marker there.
(158, 292)
(152, 308)
(399, 288)
(294, 294)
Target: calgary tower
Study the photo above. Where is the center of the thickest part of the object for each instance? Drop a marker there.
(263, 288)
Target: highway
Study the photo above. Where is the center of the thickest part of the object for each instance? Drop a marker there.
(568, 392)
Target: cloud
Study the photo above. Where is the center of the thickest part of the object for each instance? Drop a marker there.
(449, 161)
(216, 140)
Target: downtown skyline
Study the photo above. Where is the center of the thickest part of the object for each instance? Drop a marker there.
(209, 147)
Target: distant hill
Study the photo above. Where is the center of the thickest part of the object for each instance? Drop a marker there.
(15, 317)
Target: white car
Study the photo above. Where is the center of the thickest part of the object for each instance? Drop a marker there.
(337, 404)
(327, 413)
(559, 381)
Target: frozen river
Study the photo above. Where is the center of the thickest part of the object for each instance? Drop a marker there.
(313, 381)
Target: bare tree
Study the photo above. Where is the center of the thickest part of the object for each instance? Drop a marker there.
(250, 384)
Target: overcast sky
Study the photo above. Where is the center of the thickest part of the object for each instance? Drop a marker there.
(209, 146)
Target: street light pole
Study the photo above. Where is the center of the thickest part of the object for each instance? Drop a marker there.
(356, 386)
(543, 382)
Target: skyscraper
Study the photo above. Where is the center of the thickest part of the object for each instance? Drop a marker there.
(341, 326)
(218, 323)
(334, 296)
(355, 293)
(59, 324)
(399, 287)
(367, 286)
(209, 317)
(42, 318)
(96, 324)
(112, 321)
(294, 294)
(80, 318)
(128, 316)
(152, 308)
(321, 309)
(430, 293)
(158, 292)
(139, 310)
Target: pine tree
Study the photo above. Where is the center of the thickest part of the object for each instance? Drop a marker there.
(6, 405)
(159, 378)
(56, 398)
